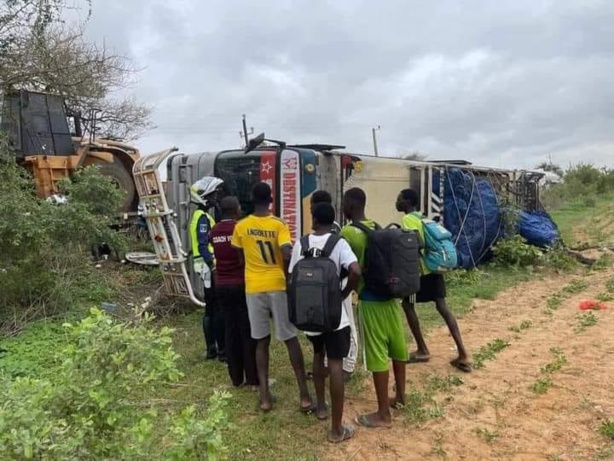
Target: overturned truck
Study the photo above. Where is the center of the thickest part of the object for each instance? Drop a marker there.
(469, 200)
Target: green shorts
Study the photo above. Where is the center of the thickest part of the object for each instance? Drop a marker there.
(383, 332)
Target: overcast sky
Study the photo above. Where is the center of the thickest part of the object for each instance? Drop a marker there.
(502, 84)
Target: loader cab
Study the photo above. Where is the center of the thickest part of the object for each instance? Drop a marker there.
(36, 124)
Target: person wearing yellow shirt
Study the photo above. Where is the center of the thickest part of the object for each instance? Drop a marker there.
(266, 246)
(432, 289)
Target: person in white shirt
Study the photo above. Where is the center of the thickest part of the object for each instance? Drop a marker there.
(335, 344)
(349, 363)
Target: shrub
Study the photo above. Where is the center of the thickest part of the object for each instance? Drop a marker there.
(515, 251)
(44, 248)
(90, 409)
(582, 185)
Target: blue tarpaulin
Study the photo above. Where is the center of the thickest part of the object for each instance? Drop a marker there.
(471, 213)
(537, 228)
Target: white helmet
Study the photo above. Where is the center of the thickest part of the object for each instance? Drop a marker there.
(203, 188)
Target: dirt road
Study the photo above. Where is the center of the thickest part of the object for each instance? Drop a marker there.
(544, 396)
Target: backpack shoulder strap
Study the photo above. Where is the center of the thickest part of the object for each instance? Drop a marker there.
(304, 245)
(365, 229)
(330, 245)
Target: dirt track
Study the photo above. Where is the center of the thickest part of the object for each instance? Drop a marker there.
(495, 414)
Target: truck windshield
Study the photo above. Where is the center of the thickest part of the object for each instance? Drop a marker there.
(240, 173)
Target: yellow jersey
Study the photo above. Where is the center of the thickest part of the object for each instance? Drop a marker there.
(261, 239)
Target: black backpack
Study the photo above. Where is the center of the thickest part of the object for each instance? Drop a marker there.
(392, 261)
(314, 290)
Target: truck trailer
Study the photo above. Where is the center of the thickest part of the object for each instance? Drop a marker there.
(465, 198)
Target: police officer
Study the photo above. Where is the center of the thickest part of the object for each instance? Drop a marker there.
(204, 194)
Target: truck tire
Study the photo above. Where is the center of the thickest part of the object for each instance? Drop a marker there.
(124, 181)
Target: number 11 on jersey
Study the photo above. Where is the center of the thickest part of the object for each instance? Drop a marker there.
(267, 252)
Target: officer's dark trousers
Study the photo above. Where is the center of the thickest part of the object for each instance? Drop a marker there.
(240, 347)
(213, 323)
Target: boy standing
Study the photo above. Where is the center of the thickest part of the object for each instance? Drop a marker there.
(267, 246)
(230, 290)
(380, 318)
(335, 344)
(432, 289)
(349, 363)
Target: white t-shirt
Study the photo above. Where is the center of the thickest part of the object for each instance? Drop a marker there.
(342, 255)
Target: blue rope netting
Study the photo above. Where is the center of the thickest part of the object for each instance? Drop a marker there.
(473, 214)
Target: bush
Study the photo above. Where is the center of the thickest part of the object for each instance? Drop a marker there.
(515, 251)
(44, 248)
(91, 410)
(582, 185)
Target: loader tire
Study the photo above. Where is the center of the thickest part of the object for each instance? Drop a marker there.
(124, 181)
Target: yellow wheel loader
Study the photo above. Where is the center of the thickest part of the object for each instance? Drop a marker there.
(50, 144)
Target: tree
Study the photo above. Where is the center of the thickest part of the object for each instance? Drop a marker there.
(415, 155)
(551, 168)
(38, 52)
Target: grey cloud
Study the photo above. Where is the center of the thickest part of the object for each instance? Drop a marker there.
(493, 82)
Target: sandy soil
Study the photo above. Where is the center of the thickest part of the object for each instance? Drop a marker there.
(494, 414)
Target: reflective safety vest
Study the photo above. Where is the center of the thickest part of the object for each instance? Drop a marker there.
(194, 232)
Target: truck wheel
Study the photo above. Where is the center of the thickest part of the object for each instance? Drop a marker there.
(123, 179)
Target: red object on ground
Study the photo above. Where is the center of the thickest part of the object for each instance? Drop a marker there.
(592, 305)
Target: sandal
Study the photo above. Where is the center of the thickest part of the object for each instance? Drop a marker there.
(348, 432)
(464, 367)
(363, 420)
(414, 358)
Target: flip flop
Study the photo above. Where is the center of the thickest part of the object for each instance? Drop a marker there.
(363, 420)
(348, 432)
(464, 367)
(306, 410)
(413, 358)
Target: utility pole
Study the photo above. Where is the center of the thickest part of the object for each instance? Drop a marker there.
(373, 130)
(245, 129)
(244, 134)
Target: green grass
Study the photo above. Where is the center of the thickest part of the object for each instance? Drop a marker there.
(284, 433)
(559, 361)
(542, 385)
(524, 325)
(489, 352)
(607, 429)
(584, 321)
(576, 286)
(605, 297)
(554, 302)
(487, 435)
(590, 219)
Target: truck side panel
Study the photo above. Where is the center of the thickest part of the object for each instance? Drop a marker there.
(381, 180)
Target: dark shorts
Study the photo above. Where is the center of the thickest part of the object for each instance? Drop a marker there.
(432, 288)
(335, 344)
